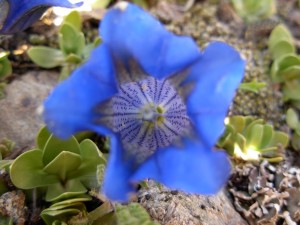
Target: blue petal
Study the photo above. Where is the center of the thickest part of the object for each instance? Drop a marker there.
(22, 13)
(71, 106)
(116, 184)
(130, 32)
(193, 169)
(216, 76)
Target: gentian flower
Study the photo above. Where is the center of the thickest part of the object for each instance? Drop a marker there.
(17, 15)
(160, 99)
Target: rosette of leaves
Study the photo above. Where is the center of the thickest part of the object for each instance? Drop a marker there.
(65, 168)
(286, 65)
(70, 211)
(74, 211)
(292, 119)
(251, 139)
(72, 51)
(253, 10)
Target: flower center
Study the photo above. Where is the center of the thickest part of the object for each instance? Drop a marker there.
(149, 114)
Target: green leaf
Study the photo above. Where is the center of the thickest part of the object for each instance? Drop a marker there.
(55, 146)
(268, 134)
(68, 202)
(42, 137)
(290, 73)
(282, 48)
(74, 18)
(254, 137)
(296, 141)
(70, 189)
(5, 65)
(238, 123)
(291, 90)
(279, 138)
(26, 171)
(280, 33)
(71, 40)
(46, 57)
(100, 4)
(91, 158)
(74, 59)
(133, 214)
(63, 214)
(287, 61)
(292, 118)
(252, 86)
(63, 164)
(253, 10)
(4, 164)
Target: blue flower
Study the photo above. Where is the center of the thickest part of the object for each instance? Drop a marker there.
(160, 99)
(17, 15)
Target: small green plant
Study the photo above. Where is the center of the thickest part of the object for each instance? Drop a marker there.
(5, 65)
(253, 86)
(65, 168)
(292, 119)
(253, 10)
(5, 70)
(286, 65)
(66, 211)
(72, 51)
(251, 139)
(133, 214)
(6, 147)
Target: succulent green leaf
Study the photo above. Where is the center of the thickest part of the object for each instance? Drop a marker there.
(63, 164)
(290, 73)
(55, 146)
(287, 61)
(100, 4)
(74, 18)
(238, 123)
(60, 191)
(253, 10)
(91, 158)
(226, 138)
(292, 118)
(282, 48)
(26, 171)
(291, 90)
(268, 134)
(42, 137)
(53, 215)
(254, 137)
(252, 86)
(296, 141)
(46, 57)
(71, 40)
(5, 65)
(280, 33)
(70, 202)
(4, 164)
(279, 138)
(248, 129)
(74, 59)
(133, 214)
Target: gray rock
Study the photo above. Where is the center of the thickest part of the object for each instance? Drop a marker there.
(177, 208)
(19, 119)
